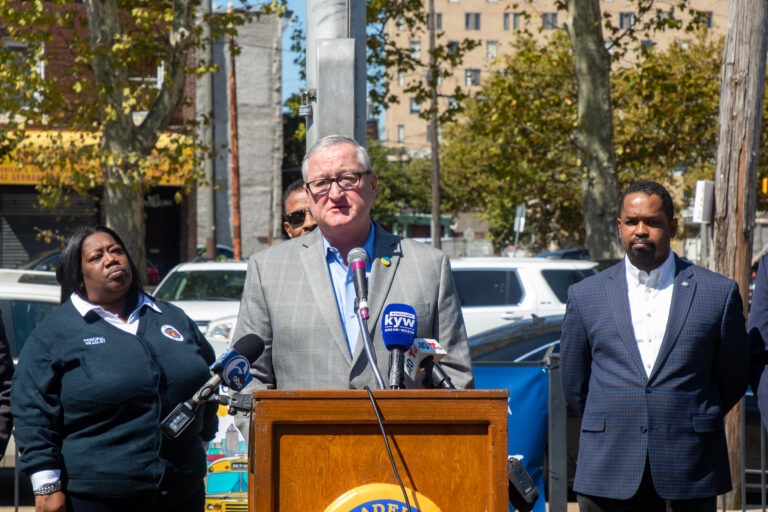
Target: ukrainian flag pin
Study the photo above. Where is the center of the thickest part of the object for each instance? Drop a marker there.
(385, 261)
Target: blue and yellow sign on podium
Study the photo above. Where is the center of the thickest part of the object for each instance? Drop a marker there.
(381, 498)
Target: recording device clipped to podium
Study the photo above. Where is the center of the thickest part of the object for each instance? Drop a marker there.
(232, 369)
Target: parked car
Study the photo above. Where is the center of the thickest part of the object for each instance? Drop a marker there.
(580, 253)
(49, 259)
(209, 293)
(26, 297)
(496, 291)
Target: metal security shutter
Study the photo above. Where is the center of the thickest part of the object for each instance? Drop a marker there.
(22, 218)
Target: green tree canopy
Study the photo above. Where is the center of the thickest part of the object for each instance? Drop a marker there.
(513, 144)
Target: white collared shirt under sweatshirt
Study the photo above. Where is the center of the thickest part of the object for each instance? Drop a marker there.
(650, 298)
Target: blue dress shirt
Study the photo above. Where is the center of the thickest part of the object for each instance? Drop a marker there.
(344, 287)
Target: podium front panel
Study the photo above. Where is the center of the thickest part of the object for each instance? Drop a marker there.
(307, 448)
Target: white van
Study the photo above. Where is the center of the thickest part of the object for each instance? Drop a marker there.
(496, 291)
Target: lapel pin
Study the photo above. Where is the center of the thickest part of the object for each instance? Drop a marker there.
(684, 284)
(385, 261)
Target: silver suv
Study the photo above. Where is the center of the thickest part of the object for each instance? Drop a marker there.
(496, 291)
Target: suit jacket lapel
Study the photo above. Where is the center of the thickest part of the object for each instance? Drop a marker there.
(316, 270)
(380, 280)
(682, 298)
(618, 296)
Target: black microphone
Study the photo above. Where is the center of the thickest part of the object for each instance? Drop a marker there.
(398, 329)
(357, 259)
(232, 367)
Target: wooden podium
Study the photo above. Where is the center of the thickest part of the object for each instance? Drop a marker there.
(307, 448)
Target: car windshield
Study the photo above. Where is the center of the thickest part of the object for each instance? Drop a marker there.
(202, 285)
(227, 482)
(26, 314)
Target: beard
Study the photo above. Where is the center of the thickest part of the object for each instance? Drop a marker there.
(642, 257)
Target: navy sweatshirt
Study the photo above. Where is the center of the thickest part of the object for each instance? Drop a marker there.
(87, 398)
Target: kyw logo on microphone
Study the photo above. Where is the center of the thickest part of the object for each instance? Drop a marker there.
(399, 321)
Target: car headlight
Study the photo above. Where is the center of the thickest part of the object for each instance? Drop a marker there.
(220, 330)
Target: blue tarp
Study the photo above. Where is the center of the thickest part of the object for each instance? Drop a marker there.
(527, 408)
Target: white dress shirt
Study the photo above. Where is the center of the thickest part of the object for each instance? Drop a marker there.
(650, 297)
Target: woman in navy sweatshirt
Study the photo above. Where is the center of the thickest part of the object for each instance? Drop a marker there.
(93, 382)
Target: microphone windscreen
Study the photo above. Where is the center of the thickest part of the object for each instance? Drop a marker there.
(249, 346)
(398, 325)
(357, 254)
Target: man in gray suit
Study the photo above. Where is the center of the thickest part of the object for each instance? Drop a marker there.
(299, 294)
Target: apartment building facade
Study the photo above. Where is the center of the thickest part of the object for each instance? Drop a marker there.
(495, 24)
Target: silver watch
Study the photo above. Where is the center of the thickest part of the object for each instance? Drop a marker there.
(47, 489)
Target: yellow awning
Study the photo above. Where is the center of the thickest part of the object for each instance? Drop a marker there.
(13, 171)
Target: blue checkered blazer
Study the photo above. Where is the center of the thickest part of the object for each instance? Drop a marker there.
(674, 418)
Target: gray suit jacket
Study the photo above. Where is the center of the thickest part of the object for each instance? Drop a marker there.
(288, 301)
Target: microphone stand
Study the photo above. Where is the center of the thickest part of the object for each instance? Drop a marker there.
(368, 346)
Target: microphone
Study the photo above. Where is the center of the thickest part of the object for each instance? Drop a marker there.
(422, 357)
(232, 367)
(357, 259)
(398, 329)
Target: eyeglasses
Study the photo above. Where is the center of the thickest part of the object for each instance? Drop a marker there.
(346, 181)
(296, 219)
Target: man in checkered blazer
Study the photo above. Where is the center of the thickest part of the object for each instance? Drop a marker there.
(654, 354)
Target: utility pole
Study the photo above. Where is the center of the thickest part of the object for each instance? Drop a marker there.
(741, 105)
(208, 193)
(233, 135)
(433, 127)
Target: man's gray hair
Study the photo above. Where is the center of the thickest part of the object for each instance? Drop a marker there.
(330, 141)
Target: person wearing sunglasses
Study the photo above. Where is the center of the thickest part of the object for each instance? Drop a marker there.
(298, 219)
(299, 294)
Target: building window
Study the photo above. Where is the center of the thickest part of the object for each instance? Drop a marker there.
(415, 107)
(439, 18)
(609, 47)
(453, 1)
(401, 79)
(416, 50)
(626, 20)
(399, 23)
(401, 133)
(516, 18)
(646, 44)
(708, 19)
(506, 21)
(452, 47)
(472, 21)
(491, 50)
(548, 20)
(429, 133)
(472, 77)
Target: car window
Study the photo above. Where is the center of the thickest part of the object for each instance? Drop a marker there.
(26, 314)
(479, 287)
(560, 279)
(202, 285)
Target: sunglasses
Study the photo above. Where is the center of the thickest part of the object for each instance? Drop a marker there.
(296, 219)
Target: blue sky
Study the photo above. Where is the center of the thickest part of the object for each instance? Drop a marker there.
(291, 81)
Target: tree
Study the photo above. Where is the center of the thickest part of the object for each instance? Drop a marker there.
(594, 132)
(513, 142)
(101, 54)
(512, 146)
(404, 184)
